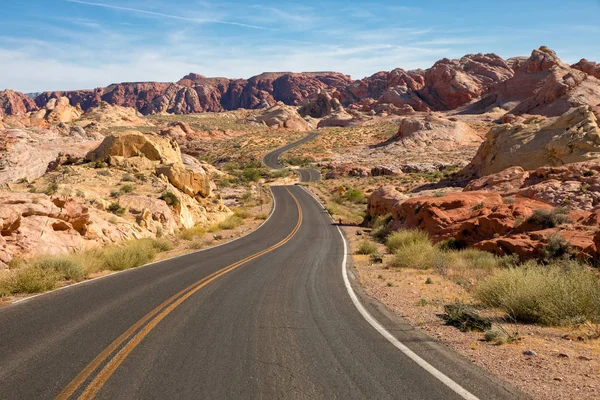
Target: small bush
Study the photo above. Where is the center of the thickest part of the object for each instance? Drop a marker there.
(366, 247)
(192, 233)
(103, 172)
(99, 164)
(465, 318)
(451, 244)
(241, 213)
(160, 245)
(251, 174)
(66, 266)
(547, 219)
(420, 255)
(354, 196)
(380, 234)
(382, 220)
(116, 208)
(231, 222)
(556, 294)
(51, 189)
(129, 255)
(262, 216)
(126, 189)
(33, 280)
(557, 247)
(169, 198)
(128, 178)
(406, 237)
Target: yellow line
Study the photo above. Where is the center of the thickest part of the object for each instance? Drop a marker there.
(162, 310)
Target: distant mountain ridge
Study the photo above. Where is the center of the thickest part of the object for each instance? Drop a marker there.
(447, 85)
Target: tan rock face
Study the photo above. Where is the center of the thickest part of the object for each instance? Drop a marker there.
(108, 116)
(133, 143)
(441, 134)
(281, 116)
(382, 200)
(322, 104)
(191, 182)
(339, 119)
(58, 110)
(536, 142)
(574, 185)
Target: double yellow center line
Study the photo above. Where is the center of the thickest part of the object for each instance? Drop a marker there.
(145, 325)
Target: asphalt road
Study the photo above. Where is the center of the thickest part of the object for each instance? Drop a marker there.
(268, 316)
(271, 160)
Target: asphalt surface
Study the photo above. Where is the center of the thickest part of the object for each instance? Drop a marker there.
(279, 326)
(271, 160)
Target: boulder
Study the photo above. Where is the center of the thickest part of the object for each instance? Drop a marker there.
(433, 133)
(321, 104)
(58, 110)
(382, 200)
(191, 182)
(281, 116)
(133, 143)
(539, 141)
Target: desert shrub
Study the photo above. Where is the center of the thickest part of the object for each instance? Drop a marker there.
(381, 220)
(547, 219)
(557, 294)
(262, 216)
(51, 189)
(170, 198)
(116, 208)
(103, 172)
(380, 234)
(33, 280)
(160, 245)
(299, 161)
(251, 174)
(465, 318)
(99, 164)
(479, 259)
(127, 177)
(246, 196)
(406, 237)
(451, 244)
(280, 173)
(420, 255)
(231, 222)
(354, 196)
(126, 189)
(128, 255)
(557, 247)
(192, 233)
(366, 247)
(66, 266)
(241, 213)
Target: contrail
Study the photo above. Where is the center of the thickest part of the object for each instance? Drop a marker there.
(158, 14)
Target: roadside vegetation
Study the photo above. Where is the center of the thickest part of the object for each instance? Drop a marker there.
(555, 291)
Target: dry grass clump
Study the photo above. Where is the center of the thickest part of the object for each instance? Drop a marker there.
(192, 233)
(557, 294)
(231, 222)
(367, 247)
(404, 238)
(47, 272)
(418, 255)
(240, 212)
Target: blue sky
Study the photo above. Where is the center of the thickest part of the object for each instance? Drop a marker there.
(73, 44)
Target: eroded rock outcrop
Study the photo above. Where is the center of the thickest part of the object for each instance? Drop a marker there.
(434, 133)
(194, 182)
(133, 143)
(538, 141)
(382, 200)
(58, 110)
(15, 103)
(281, 116)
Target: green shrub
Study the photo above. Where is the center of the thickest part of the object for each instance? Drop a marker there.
(231, 222)
(116, 208)
(451, 244)
(366, 247)
(169, 198)
(382, 220)
(465, 318)
(556, 294)
(126, 189)
(479, 259)
(557, 247)
(406, 237)
(380, 234)
(51, 189)
(354, 196)
(66, 266)
(251, 174)
(160, 245)
(547, 219)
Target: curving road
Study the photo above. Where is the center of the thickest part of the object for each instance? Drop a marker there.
(268, 316)
(272, 161)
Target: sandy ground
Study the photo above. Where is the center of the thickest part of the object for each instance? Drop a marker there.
(566, 364)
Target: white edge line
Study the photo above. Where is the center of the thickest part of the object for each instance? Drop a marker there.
(462, 392)
(25, 299)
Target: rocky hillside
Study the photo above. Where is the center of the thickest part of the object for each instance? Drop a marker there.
(540, 84)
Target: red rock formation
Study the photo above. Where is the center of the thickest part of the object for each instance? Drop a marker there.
(15, 103)
(589, 67)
